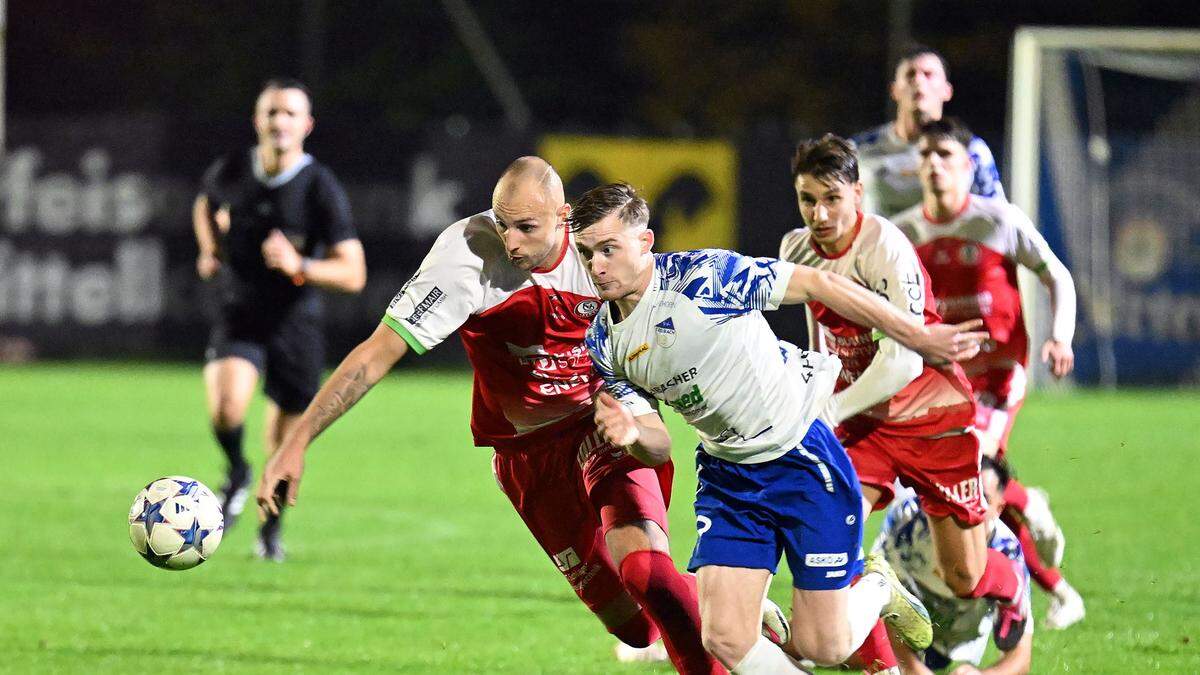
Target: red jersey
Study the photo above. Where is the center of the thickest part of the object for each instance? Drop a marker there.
(882, 260)
(973, 260)
(523, 331)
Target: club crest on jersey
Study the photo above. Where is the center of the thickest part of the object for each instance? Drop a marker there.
(664, 333)
(587, 308)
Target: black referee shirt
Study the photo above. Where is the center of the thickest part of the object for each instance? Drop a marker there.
(306, 203)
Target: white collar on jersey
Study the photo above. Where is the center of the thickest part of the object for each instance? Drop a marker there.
(280, 178)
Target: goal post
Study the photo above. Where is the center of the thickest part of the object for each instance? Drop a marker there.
(1104, 155)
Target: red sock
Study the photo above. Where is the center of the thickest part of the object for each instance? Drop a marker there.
(999, 580)
(876, 653)
(1044, 575)
(666, 595)
(1015, 495)
(639, 631)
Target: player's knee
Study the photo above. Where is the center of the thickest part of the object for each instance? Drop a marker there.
(228, 414)
(823, 648)
(726, 643)
(962, 581)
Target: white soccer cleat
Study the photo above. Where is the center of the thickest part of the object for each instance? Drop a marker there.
(1048, 537)
(655, 653)
(904, 613)
(1066, 607)
(775, 626)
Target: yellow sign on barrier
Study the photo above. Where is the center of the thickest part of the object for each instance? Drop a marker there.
(691, 186)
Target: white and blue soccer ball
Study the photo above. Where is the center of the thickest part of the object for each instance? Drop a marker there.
(176, 523)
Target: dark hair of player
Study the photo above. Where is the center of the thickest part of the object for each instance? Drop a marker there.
(288, 83)
(1003, 474)
(947, 127)
(595, 204)
(917, 49)
(829, 157)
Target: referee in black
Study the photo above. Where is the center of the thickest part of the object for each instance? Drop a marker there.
(272, 225)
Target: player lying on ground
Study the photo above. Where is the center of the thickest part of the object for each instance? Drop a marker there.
(897, 416)
(888, 155)
(272, 224)
(687, 329)
(510, 281)
(961, 627)
(972, 247)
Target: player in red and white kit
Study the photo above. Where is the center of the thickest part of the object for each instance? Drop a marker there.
(510, 281)
(972, 246)
(897, 416)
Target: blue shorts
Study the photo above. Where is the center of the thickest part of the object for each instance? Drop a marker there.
(807, 502)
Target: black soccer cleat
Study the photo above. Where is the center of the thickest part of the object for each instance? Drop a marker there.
(270, 542)
(234, 492)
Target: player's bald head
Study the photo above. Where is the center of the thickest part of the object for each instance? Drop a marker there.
(528, 179)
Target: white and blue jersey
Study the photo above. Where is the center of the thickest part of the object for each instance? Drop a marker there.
(698, 342)
(961, 626)
(889, 169)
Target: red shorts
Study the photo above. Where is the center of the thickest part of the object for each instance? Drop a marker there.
(944, 472)
(999, 394)
(570, 489)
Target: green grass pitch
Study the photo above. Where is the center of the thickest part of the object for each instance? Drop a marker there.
(404, 557)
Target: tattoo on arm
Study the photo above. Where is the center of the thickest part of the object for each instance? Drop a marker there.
(345, 393)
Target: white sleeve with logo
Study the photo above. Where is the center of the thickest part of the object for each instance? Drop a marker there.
(1031, 250)
(442, 295)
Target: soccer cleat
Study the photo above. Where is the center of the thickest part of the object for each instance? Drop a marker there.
(904, 613)
(655, 653)
(269, 545)
(1011, 619)
(1066, 607)
(775, 626)
(234, 493)
(1048, 537)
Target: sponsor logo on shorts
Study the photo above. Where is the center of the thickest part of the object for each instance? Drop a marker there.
(835, 574)
(432, 299)
(566, 560)
(587, 308)
(703, 523)
(665, 333)
(645, 347)
(825, 559)
(965, 492)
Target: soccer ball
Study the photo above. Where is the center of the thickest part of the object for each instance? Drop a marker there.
(176, 523)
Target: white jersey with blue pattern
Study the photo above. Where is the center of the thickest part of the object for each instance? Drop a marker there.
(697, 341)
(961, 626)
(889, 166)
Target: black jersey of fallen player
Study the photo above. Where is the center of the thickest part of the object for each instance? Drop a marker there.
(306, 203)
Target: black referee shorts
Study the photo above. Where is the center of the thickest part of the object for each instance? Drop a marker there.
(289, 354)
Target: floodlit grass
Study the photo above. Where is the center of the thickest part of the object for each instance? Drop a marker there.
(403, 555)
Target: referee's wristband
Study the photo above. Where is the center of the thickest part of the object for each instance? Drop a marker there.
(299, 278)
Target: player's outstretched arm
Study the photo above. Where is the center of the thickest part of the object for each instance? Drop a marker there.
(936, 342)
(1057, 350)
(645, 436)
(357, 373)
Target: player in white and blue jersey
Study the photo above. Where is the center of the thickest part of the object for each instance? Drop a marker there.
(687, 329)
(961, 626)
(887, 154)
